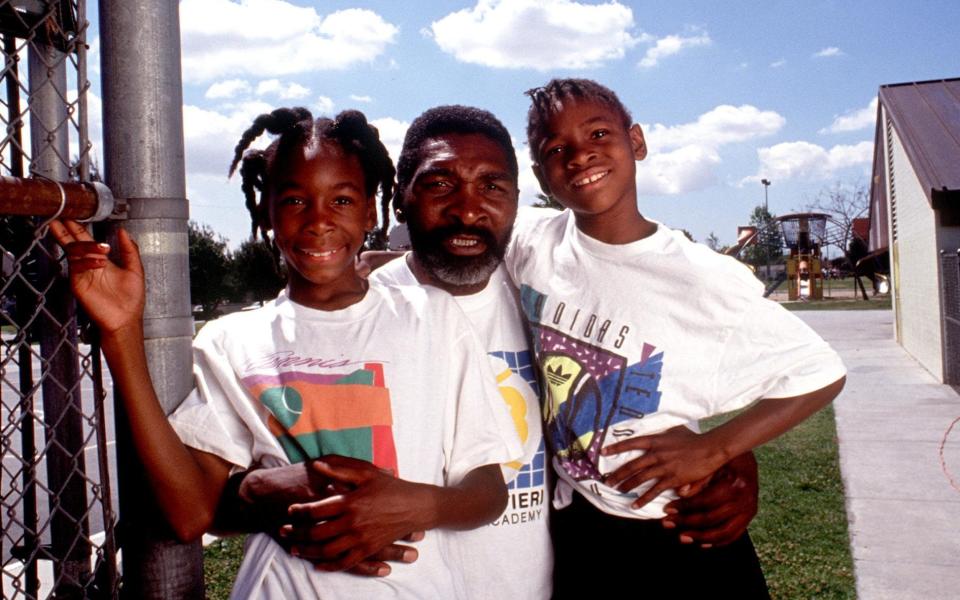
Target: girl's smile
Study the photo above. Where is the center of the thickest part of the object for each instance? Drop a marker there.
(320, 212)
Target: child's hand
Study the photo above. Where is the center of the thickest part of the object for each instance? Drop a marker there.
(111, 293)
(345, 529)
(674, 459)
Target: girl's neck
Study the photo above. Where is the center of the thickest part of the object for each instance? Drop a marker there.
(322, 298)
(616, 226)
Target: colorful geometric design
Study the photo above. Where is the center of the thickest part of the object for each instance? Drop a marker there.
(533, 473)
(314, 415)
(589, 391)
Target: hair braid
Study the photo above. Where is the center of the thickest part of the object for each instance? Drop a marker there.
(296, 126)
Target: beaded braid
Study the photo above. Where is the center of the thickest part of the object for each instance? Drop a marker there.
(296, 126)
(547, 101)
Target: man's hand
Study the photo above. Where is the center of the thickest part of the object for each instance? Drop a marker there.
(258, 500)
(672, 459)
(718, 514)
(338, 532)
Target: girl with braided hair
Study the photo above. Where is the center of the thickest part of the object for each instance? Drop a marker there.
(404, 440)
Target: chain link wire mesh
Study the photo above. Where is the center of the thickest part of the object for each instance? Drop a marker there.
(950, 271)
(55, 482)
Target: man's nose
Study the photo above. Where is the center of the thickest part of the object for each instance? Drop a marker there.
(468, 206)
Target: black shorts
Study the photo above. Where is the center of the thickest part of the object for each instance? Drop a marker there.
(597, 555)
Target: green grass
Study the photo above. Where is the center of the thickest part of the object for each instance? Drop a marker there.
(221, 560)
(800, 532)
(878, 303)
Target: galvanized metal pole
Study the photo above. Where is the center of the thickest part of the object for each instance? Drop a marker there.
(50, 156)
(143, 161)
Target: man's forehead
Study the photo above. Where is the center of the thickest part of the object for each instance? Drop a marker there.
(451, 149)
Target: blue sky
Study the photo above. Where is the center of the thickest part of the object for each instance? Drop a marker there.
(727, 93)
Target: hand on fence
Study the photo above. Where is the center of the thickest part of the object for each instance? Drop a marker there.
(111, 292)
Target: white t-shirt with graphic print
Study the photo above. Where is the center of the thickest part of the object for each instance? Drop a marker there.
(633, 339)
(511, 557)
(397, 379)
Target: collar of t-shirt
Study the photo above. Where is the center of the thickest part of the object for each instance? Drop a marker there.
(355, 312)
(656, 242)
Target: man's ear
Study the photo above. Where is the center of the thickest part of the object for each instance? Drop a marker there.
(538, 173)
(639, 144)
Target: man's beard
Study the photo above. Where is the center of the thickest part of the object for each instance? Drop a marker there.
(430, 252)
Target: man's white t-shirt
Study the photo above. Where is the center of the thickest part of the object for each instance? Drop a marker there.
(398, 379)
(511, 557)
(633, 339)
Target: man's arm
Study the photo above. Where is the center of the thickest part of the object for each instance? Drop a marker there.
(341, 530)
(719, 513)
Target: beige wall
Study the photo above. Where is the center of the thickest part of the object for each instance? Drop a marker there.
(920, 329)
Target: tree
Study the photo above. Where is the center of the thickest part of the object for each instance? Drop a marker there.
(768, 247)
(545, 201)
(844, 202)
(255, 274)
(713, 242)
(209, 268)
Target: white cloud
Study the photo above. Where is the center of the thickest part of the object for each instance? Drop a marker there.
(536, 34)
(854, 120)
(274, 37)
(227, 89)
(683, 158)
(778, 63)
(803, 160)
(527, 181)
(324, 106)
(391, 134)
(670, 45)
(274, 87)
(725, 124)
(683, 170)
(209, 136)
(365, 99)
(828, 52)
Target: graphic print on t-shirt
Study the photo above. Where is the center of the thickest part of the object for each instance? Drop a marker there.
(591, 391)
(527, 493)
(313, 414)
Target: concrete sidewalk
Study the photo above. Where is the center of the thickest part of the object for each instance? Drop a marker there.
(899, 439)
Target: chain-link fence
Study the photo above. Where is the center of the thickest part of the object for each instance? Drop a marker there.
(55, 506)
(950, 271)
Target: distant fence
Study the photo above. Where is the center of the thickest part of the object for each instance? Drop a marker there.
(56, 509)
(950, 271)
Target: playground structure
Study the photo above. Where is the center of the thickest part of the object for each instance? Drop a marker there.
(807, 236)
(803, 234)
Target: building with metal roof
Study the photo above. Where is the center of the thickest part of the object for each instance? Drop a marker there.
(915, 214)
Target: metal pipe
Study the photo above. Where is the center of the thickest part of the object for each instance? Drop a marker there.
(50, 148)
(143, 162)
(41, 198)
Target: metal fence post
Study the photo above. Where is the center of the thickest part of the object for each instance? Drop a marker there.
(49, 128)
(143, 161)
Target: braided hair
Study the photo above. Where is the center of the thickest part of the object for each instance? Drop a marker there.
(296, 127)
(547, 101)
